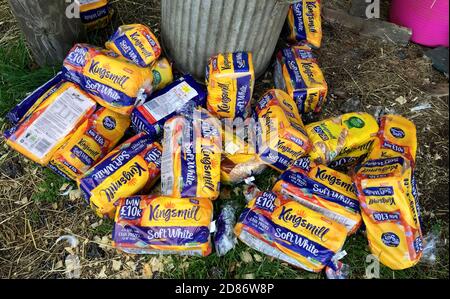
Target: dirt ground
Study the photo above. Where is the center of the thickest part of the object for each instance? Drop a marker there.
(363, 74)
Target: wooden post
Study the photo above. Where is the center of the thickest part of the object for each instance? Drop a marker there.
(49, 32)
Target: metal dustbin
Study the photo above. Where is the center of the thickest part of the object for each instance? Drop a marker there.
(194, 30)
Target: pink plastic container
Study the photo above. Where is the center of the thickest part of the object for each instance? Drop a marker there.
(428, 20)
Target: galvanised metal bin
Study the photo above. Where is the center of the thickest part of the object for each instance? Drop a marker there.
(194, 30)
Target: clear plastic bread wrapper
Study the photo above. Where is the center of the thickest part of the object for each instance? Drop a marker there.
(192, 156)
(178, 98)
(300, 76)
(137, 43)
(344, 141)
(323, 190)
(92, 141)
(282, 138)
(163, 225)
(342, 271)
(240, 159)
(285, 229)
(304, 23)
(47, 127)
(230, 78)
(224, 237)
(129, 169)
(113, 81)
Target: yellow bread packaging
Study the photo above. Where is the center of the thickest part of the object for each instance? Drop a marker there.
(95, 14)
(342, 141)
(162, 74)
(397, 136)
(287, 230)
(43, 131)
(305, 23)
(113, 81)
(163, 225)
(95, 138)
(191, 156)
(323, 190)
(135, 42)
(281, 135)
(230, 79)
(297, 73)
(130, 168)
(390, 210)
(387, 191)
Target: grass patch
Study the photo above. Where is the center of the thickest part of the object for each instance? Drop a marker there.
(104, 229)
(48, 188)
(18, 75)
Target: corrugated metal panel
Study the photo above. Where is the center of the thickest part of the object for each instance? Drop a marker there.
(194, 30)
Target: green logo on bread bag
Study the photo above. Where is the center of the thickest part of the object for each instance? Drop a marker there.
(355, 122)
(156, 78)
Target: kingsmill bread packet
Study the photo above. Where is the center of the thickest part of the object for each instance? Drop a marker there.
(113, 81)
(397, 136)
(162, 74)
(282, 138)
(304, 23)
(47, 127)
(130, 168)
(95, 14)
(192, 156)
(388, 196)
(163, 225)
(301, 77)
(387, 191)
(179, 97)
(33, 100)
(323, 190)
(343, 141)
(137, 43)
(230, 79)
(95, 138)
(287, 230)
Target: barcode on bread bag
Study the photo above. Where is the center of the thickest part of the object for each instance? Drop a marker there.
(263, 247)
(162, 252)
(171, 101)
(43, 146)
(167, 162)
(55, 123)
(348, 223)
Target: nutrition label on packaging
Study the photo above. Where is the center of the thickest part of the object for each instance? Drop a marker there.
(171, 101)
(58, 119)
